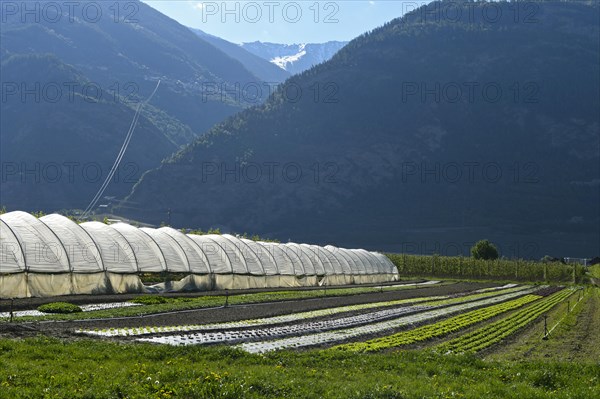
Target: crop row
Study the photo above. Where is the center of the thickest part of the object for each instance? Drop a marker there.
(329, 337)
(490, 334)
(475, 296)
(289, 318)
(228, 337)
(84, 308)
(439, 329)
(266, 321)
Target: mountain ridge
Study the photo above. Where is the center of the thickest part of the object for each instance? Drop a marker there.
(261, 68)
(383, 144)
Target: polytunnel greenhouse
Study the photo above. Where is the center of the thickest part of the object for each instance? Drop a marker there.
(53, 256)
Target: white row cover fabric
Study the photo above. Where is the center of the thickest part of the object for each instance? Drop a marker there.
(54, 244)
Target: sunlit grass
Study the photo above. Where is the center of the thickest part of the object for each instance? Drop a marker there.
(44, 368)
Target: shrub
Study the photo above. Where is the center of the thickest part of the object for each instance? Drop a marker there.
(484, 250)
(59, 307)
(150, 300)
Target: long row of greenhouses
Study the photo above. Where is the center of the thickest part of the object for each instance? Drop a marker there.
(52, 255)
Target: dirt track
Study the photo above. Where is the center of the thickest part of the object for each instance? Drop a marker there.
(241, 312)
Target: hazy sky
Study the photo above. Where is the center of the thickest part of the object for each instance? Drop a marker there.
(284, 21)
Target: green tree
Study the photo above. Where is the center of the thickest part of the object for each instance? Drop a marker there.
(485, 250)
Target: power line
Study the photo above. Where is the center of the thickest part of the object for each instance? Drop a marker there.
(120, 156)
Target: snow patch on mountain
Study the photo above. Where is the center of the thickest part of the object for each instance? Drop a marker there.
(295, 58)
(282, 62)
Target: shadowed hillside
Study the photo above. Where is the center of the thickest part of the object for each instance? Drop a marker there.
(72, 78)
(430, 134)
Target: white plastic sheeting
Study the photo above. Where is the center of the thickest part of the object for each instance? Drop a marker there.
(12, 260)
(82, 252)
(196, 258)
(56, 256)
(175, 258)
(115, 251)
(218, 260)
(145, 249)
(42, 251)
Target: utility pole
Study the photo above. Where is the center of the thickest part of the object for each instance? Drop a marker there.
(169, 217)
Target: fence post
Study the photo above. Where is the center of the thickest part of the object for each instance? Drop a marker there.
(545, 326)
(226, 298)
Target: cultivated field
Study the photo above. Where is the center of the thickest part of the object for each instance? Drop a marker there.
(417, 338)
